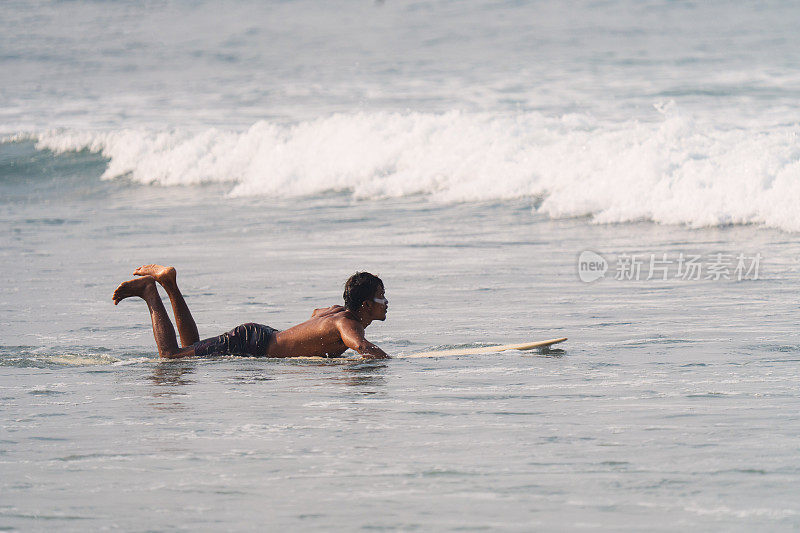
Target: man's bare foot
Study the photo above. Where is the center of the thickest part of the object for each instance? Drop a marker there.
(161, 274)
(135, 287)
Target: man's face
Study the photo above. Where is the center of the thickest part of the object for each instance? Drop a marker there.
(380, 304)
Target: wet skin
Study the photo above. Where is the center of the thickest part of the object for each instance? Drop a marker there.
(329, 332)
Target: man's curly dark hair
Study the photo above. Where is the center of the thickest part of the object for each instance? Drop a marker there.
(360, 288)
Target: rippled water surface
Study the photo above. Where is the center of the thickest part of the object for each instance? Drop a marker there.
(674, 403)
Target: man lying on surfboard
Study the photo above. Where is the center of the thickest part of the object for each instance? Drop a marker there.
(328, 333)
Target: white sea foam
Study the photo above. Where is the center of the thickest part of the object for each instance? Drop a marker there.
(675, 169)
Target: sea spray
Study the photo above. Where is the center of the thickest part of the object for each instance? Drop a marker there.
(676, 169)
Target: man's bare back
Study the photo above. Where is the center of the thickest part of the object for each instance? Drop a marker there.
(328, 333)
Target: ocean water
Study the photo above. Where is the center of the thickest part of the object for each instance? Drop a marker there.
(625, 174)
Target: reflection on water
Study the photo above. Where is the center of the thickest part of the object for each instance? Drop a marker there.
(552, 352)
(169, 376)
(360, 373)
(172, 372)
(365, 375)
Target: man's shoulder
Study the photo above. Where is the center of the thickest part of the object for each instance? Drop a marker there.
(342, 315)
(323, 312)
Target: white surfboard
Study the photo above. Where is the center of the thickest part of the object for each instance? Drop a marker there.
(451, 352)
(485, 349)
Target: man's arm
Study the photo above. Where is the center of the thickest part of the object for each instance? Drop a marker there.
(353, 337)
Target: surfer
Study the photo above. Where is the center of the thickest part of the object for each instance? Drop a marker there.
(328, 333)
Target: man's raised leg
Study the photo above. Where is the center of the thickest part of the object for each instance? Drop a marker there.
(145, 288)
(166, 276)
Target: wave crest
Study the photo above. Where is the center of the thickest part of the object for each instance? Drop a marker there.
(674, 170)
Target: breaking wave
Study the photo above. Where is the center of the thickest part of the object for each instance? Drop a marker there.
(676, 169)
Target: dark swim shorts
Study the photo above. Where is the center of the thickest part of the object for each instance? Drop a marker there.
(247, 339)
